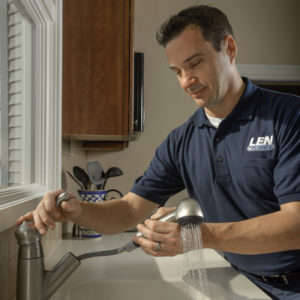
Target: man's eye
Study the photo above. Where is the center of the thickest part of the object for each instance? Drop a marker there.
(196, 63)
(178, 72)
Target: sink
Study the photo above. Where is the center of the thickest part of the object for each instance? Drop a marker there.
(136, 276)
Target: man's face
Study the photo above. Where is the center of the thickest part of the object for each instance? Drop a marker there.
(203, 73)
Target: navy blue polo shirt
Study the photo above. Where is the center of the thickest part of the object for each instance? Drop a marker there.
(245, 168)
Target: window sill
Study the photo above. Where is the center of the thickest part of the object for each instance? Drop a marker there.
(15, 202)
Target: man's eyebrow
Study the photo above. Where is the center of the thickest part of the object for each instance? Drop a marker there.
(193, 56)
(187, 59)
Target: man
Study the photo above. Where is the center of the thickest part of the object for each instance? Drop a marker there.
(238, 155)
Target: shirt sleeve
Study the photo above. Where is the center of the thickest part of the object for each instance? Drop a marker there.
(287, 169)
(162, 179)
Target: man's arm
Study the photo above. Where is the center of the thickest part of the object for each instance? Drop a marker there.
(107, 217)
(115, 216)
(274, 232)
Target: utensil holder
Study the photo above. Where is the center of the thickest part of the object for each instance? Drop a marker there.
(91, 196)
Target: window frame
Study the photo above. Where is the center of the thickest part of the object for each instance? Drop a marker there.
(46, 19)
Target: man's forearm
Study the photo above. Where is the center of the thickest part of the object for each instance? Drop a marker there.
(278, 231)
(113, 216)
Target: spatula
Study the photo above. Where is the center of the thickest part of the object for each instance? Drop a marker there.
(95, 172)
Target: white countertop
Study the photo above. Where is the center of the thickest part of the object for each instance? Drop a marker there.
(136, 266)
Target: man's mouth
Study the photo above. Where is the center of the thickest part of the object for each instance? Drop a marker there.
(196, 89)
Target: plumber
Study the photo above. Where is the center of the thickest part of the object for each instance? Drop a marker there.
(238, 155)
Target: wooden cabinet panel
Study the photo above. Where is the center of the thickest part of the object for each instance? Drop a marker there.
(97, 69)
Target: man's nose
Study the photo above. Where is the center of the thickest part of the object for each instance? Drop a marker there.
(187, 79)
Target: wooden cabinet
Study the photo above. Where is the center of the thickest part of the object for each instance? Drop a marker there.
(97, 70)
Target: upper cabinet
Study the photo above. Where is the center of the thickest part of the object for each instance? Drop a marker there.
(98, 70)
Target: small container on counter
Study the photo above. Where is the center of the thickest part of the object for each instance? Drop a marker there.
(91, 196)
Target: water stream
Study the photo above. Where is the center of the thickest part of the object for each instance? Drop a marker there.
(193, 264)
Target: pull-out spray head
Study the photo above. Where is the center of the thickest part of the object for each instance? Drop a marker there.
(188, 211)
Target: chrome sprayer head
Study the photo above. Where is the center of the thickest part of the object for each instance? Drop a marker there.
(189, 211)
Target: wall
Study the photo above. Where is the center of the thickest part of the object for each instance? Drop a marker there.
(8, 264)
(72, 155)
(266, 32)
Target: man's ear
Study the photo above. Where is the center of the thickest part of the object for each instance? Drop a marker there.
(230, 47)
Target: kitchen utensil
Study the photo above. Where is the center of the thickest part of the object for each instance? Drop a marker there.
(111, 172)
(81, 186)
(81, 175)
(95, 172)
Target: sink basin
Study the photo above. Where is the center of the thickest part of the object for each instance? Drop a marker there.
(128, 289)
(146, 290)
(136, 276)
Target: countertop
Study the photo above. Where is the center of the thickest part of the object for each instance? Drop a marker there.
(138, 266)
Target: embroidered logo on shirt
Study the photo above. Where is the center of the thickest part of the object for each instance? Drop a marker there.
(262, 143)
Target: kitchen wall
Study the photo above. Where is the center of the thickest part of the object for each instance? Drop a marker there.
(72, 155)
(266, 32)
(8, 264)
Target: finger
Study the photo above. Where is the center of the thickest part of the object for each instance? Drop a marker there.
(150, 245)
(161, 226)
(38, 223)
(26, 217)
(169, 247)
(152, 250)
(152, 230)
(45, 216)
(150, 234)
(155, 253)
(162, 211)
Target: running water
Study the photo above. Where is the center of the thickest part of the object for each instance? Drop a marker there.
(195, 276)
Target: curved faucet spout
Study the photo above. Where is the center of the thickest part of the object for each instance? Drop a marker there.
(62, 270)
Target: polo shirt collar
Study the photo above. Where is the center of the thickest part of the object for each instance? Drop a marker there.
(244, 110)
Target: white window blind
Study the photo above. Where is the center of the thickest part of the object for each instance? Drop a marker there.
(16, 143)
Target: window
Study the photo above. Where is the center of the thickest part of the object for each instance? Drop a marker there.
(30, 111)
(16, 105)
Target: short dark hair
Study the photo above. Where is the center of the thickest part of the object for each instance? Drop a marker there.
(213, 22)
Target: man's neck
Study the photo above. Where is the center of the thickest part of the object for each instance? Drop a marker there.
(232, 97)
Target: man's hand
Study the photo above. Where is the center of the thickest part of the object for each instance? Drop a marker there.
(168, 234)
(47, 213)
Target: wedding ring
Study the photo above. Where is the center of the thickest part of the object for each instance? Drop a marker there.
(158, 246)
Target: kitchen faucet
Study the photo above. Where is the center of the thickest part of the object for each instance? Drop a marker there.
(33, 281)
(36, 283)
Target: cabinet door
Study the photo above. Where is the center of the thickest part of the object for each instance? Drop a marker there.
(97, 69)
